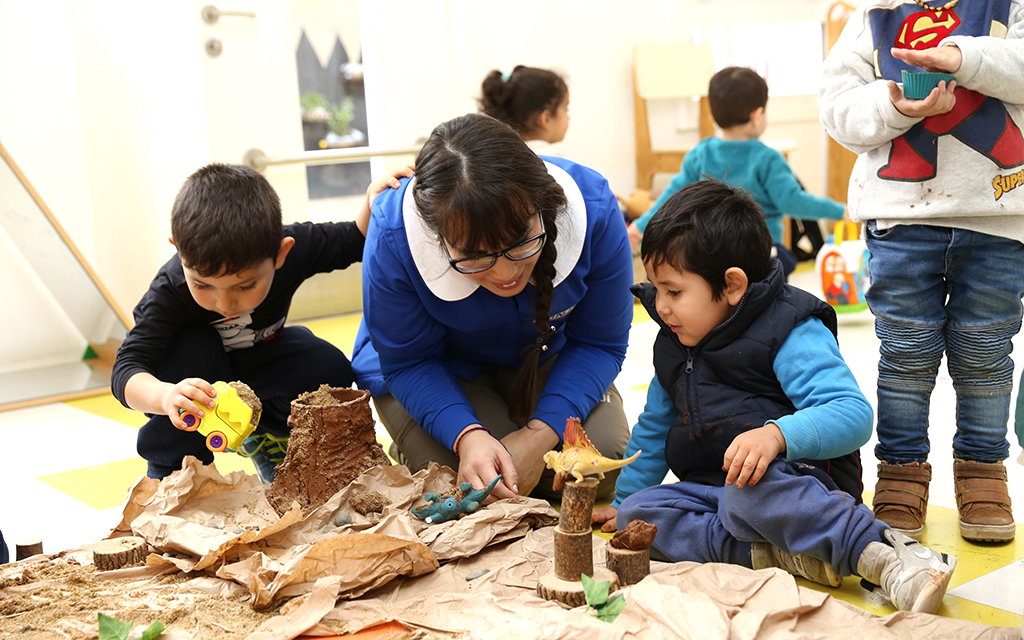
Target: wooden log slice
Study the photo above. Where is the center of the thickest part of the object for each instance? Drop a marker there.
(27, 548)
(630, 566)
(574, 554)
(577, 505)
(115, 553)
(551, 587)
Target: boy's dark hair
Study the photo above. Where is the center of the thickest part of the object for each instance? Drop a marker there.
(734, 93)
(226, 218)
(520, 99)
(705, 228)
(480, 187)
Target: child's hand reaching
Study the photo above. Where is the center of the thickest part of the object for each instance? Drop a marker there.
(605, 515)
(193, 395)
(388, 181)
(750, 453)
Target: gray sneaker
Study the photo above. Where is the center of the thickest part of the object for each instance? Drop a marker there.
(911, 575)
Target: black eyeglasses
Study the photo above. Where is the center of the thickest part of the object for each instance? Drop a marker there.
(525, 249)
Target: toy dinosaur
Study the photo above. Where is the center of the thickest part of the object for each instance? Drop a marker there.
(443, 509)
(579, 457)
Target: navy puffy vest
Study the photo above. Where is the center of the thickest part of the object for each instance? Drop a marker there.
(726, 385)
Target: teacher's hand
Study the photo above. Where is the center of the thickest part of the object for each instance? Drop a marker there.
(481, 459)
(528, 446)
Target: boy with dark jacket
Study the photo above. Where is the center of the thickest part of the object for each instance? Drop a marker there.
(755, 411)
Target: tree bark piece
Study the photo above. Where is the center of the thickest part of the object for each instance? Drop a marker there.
(630, 566)
(115, 553)
(578, 505)
(571, 593)
(574, 554)
(28, 547)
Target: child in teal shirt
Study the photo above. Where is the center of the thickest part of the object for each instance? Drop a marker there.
(737, 97)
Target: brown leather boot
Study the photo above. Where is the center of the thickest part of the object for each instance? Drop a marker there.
(983, 501)
(901, 496)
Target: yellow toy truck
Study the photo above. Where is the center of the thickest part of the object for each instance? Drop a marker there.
(229, 423)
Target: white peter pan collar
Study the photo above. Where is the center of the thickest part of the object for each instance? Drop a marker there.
(450, 285)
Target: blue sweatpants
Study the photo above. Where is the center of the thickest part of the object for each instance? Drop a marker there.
(792, 510)
(278, 371)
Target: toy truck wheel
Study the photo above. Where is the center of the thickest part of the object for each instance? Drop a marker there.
(216, 441)
(191, 420)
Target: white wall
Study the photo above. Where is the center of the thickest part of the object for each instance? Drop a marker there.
(102, 101)
(431, 57)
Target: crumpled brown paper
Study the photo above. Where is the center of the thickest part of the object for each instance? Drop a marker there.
(682, 600)
(200, 520)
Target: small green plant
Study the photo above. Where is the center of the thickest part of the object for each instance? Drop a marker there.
(342, 115)
(597, 599)
(114, 629)
(311, 100)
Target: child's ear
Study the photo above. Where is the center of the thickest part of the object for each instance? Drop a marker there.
(544, 120)
(171, 240)
(735, 285)
(286, 245)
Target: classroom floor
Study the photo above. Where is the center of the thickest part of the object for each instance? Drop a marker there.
(70, 465)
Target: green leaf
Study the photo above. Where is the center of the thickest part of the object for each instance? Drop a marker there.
(112, 628)
(612, 609)
(157, 628)
(595, 592)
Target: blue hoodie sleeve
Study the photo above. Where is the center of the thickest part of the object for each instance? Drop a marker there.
(648, 436)
(833, 418)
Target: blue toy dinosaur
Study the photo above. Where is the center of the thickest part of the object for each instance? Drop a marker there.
(445, 509)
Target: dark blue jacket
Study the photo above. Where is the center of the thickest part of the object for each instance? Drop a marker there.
(726, 385)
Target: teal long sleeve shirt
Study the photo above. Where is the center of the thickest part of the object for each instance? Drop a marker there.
(757, 168)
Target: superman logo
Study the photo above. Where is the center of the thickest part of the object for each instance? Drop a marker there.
(925, 29)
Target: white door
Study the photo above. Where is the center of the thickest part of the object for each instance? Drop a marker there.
(265, 65)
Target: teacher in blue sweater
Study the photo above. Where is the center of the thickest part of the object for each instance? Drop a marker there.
(496, 305)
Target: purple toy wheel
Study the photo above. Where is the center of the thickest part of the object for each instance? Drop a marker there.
(216, 441)
(191, 420)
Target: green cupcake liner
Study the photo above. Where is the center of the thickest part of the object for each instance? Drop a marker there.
(917, 85)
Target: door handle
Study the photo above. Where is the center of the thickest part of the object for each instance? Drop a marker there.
(211, 14)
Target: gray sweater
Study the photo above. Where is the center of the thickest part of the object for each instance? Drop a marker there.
(961, 169)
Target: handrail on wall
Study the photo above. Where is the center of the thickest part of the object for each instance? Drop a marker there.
(259, 160)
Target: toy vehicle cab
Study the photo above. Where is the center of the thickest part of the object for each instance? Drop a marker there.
(228, 424)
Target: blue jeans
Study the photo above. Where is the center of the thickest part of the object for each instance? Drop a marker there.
(935, 291)
(788, 508)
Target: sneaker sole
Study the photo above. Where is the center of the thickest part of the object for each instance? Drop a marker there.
(987, 532)
(930, 598)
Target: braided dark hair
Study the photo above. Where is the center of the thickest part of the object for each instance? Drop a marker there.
(480, 186)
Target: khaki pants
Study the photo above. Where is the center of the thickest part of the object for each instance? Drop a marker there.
(606, 426)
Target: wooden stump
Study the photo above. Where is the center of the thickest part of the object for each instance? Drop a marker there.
(578, 505)
(115, 553)
(574, 554)
(571, 593)
(630, 566)
(27, 548)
